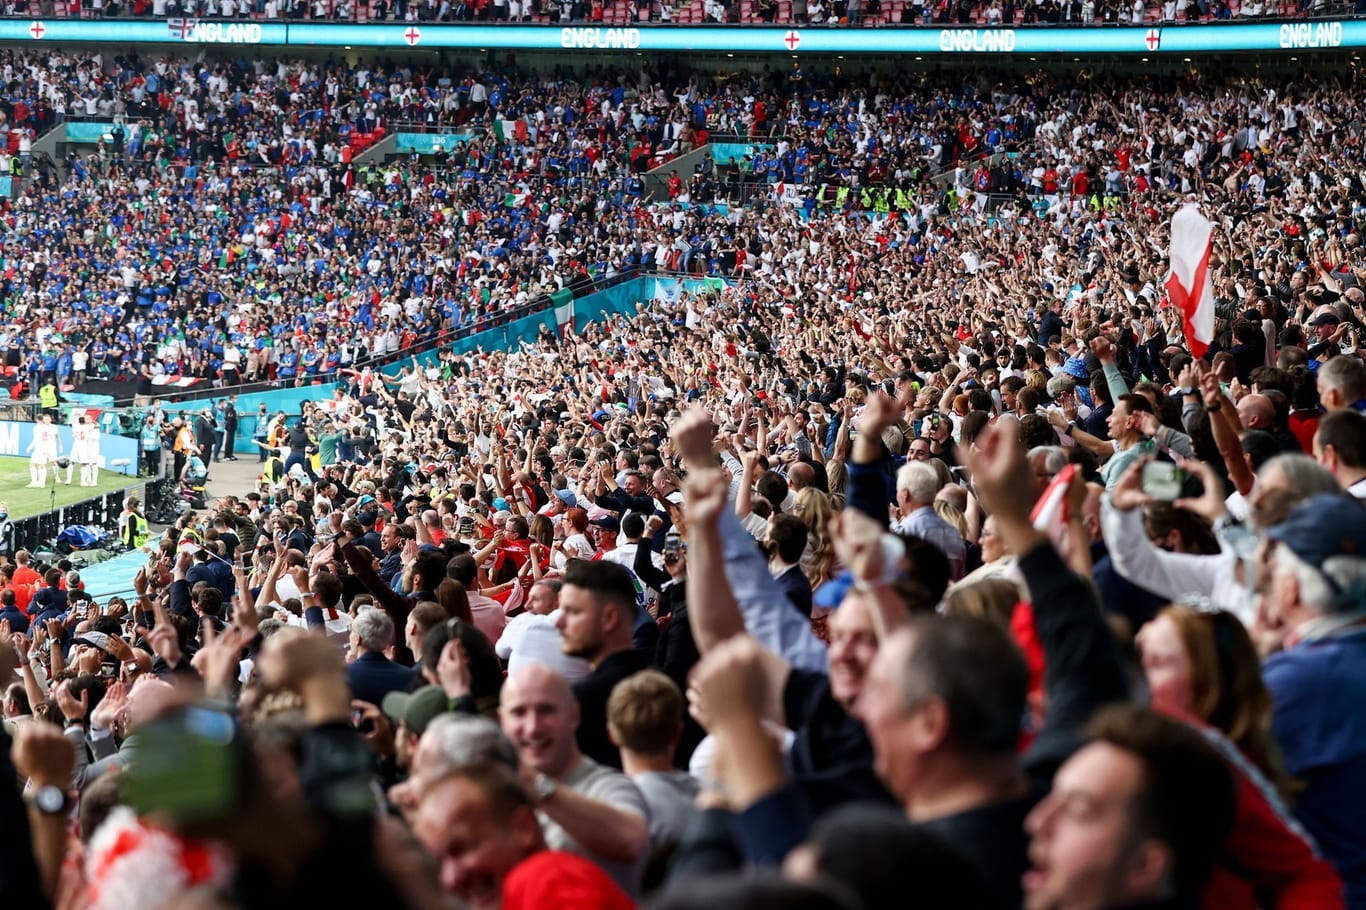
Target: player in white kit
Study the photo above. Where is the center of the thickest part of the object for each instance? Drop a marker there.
(85, 450)
(44, 449)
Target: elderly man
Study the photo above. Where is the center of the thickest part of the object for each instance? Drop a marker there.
(1312, 606)
(916, 486)
(371, 674)
(1342, 384)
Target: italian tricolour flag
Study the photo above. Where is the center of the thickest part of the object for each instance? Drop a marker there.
(509, 130)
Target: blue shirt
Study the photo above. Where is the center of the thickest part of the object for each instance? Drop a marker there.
(1319, 721)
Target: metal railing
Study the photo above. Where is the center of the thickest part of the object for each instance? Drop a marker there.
(39, 532)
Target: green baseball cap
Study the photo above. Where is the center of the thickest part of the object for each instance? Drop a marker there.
(416, 709)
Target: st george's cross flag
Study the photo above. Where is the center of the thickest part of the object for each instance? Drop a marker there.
(1050, 514)
(1188, 283)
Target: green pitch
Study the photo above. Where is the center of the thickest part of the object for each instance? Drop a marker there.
(24, 502)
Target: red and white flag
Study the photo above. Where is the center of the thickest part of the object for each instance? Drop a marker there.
(1188, 283)
(1050, 512)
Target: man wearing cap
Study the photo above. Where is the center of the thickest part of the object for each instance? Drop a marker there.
(1314, 607)
(370, 538)
(561, 502)
(413, 712)
(603, 532)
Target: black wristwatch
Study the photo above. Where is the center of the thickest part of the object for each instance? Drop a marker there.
(49, 800)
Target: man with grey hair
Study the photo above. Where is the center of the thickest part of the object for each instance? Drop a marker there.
(1044, 464)
(1342, 384)
(1314, 608)
(370, 672)
(917, 483)
(449, 742)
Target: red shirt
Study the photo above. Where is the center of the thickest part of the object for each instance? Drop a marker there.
(1303, 426)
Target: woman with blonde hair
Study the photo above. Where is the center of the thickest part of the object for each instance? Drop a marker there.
(992, 598)
(815, 510)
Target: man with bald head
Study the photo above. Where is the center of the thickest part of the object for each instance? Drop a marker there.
(1256, 412)
(431, 523)
(584, 807)
(800, 476)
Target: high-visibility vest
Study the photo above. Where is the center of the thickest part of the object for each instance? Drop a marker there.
(47, 396)
(137, 530)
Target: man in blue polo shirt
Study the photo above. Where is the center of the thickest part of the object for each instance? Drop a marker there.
(1316, 600)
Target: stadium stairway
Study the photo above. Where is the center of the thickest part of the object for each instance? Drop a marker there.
(48, 142)
(376, 152)
(115, 576)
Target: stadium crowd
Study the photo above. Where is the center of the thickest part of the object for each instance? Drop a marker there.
(921, 552)
(166, 252)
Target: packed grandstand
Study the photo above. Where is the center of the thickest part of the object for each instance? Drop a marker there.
(913, 529)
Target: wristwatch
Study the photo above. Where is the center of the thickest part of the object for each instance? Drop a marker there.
(1187, 391)
(49, 800)
(543, 787)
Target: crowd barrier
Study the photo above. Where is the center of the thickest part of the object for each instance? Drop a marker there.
(38, 532)
(1140, 40)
